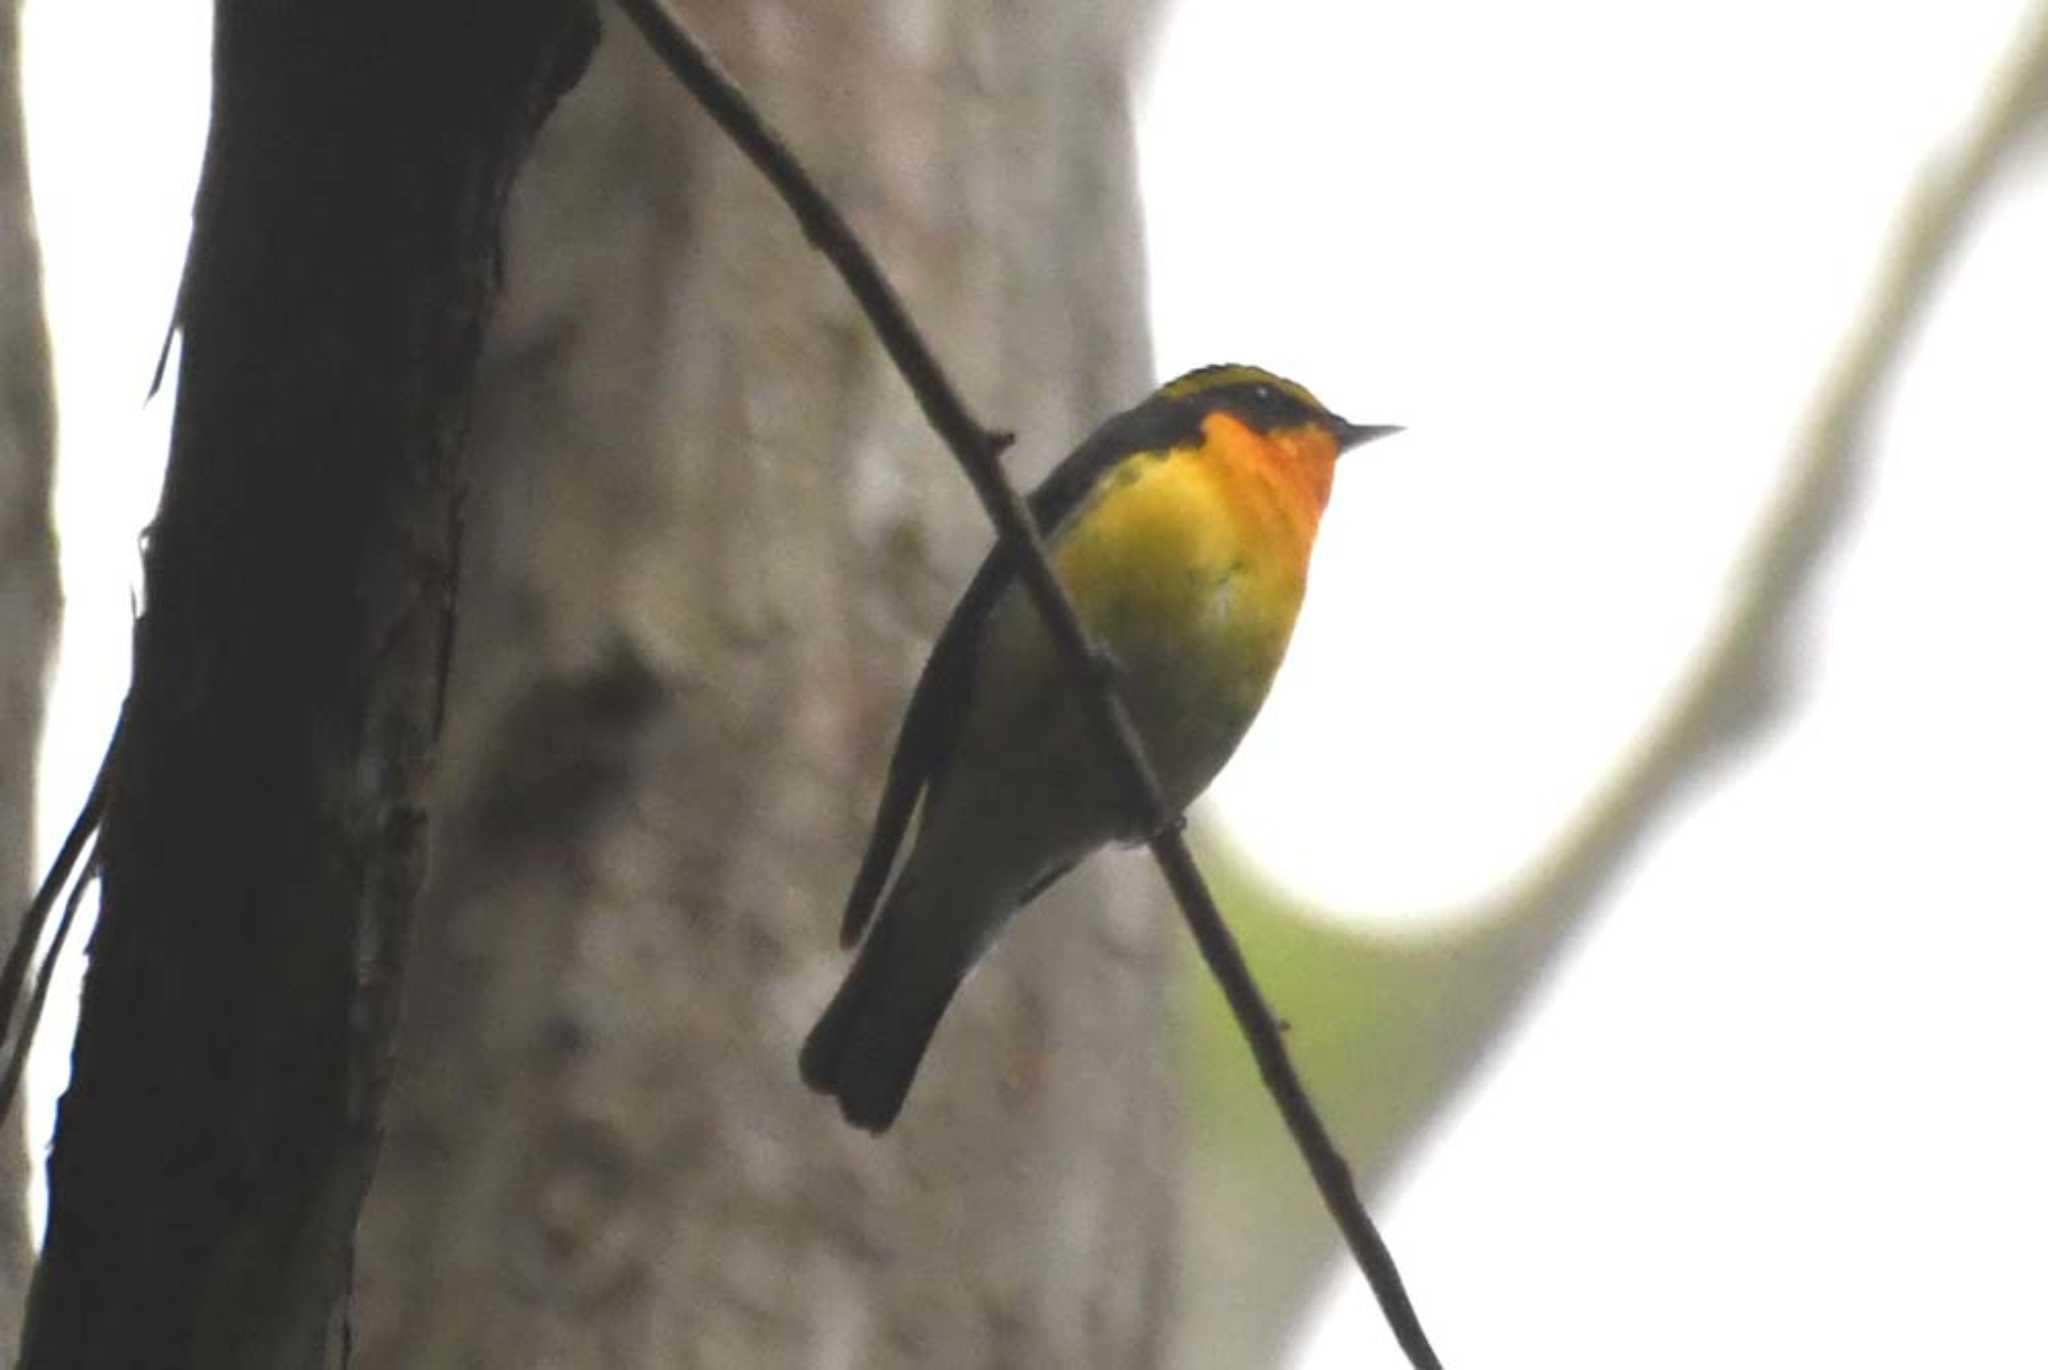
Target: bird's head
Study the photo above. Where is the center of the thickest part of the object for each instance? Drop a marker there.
(1267, 404)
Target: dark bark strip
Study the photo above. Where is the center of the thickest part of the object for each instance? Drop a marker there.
(265, 831)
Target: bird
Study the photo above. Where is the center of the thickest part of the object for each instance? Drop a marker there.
(1181, 528)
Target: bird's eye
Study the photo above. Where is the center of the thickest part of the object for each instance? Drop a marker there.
(1263, 393)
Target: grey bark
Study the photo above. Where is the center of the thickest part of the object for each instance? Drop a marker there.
(709, 542)
(264, 831)
(28, 595)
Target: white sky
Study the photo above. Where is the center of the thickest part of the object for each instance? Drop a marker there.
(116, 106)
(1782, 1106)
(1594, 254)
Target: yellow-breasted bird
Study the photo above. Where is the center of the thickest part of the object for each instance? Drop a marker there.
(1181, 529)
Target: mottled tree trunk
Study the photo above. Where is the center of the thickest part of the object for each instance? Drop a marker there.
(264, 830)
(28, 594)
(709, 540)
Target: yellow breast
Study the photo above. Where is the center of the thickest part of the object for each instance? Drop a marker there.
(1190, 566)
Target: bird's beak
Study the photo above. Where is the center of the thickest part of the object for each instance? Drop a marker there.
(1350, 435)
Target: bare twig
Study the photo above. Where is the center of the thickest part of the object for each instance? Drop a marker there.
(46, 974)
(977, 448)
(71, 857)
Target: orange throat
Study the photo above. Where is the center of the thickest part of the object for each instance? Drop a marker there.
(1284, 475)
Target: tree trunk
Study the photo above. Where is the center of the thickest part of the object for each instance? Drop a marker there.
(28, 596)
(709, 543)
(265, 829)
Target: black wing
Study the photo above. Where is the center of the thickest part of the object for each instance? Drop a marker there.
(939, 702)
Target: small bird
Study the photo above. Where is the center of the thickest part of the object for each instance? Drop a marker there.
(1181, 529)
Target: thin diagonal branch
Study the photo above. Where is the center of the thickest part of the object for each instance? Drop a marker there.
(46, 975)
(71, 860)
(977, 448)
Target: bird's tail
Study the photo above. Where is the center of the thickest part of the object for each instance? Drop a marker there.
(867, 1046)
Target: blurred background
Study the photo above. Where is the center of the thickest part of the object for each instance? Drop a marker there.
(1644, 839)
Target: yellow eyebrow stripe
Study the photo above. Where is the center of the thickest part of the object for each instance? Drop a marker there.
(1218, 377)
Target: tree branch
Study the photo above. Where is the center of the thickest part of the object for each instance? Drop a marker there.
(46, 974)
(1724, 692)
(977, 449)
(18, 1038)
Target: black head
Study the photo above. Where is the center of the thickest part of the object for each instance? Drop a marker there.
(1265, 402)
